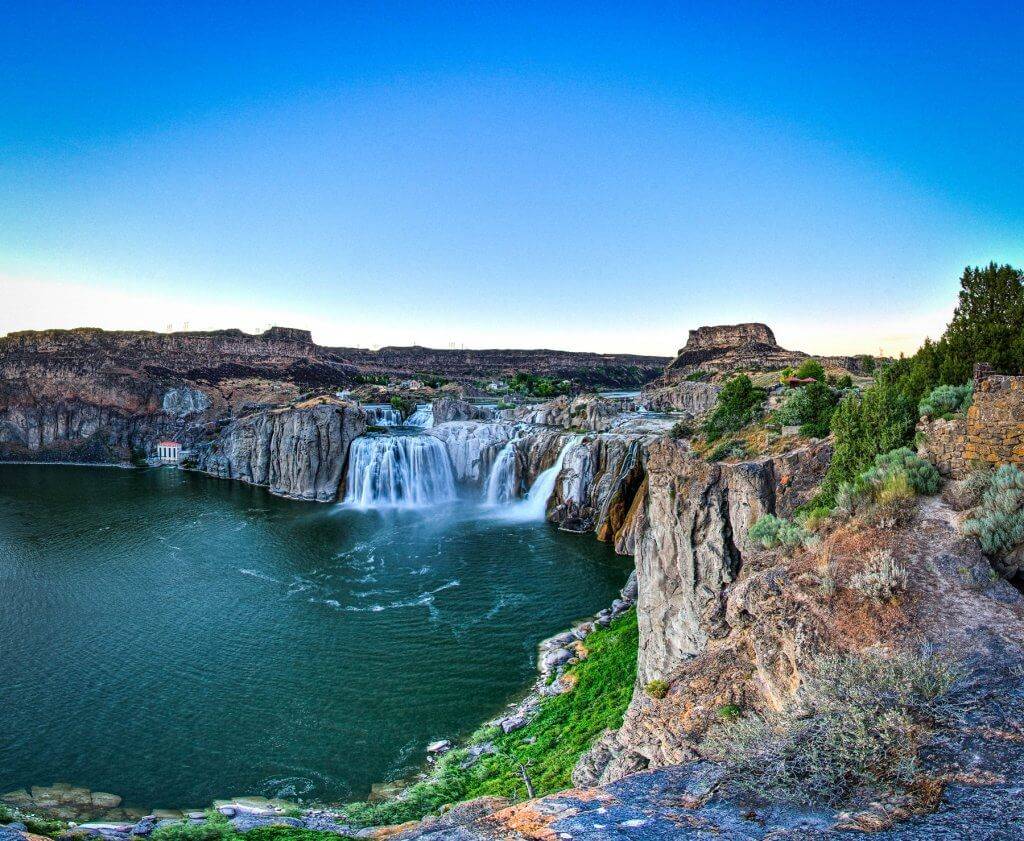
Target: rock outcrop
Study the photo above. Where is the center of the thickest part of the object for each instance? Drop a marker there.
(451, 408)
(691, 398)
(298, 451)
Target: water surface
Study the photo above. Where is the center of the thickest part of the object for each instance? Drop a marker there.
(175, 638)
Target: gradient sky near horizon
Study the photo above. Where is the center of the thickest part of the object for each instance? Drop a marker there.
(583, 176)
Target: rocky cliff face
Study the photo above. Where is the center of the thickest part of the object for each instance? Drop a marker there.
(691, 398)
(297, 451)
(692, 546)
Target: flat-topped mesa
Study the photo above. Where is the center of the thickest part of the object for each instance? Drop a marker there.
(728, 347)
(727, 336)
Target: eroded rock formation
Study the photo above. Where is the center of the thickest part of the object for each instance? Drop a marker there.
(297, 451)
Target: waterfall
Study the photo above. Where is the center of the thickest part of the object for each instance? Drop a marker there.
(382, 415)
(422, 418)
(535, 506)
(501, 481)
(398, 471)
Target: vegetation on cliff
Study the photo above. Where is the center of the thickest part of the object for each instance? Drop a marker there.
(856, 734)
(544, 751)
(987, 326)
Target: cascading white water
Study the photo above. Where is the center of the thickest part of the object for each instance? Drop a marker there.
(422, 418)
(388, 471)
(381, 415)
(501, 481)
(535, 506)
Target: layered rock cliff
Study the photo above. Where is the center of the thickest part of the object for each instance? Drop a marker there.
(296, 451)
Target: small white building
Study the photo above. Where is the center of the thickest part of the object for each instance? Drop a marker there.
(169, 452)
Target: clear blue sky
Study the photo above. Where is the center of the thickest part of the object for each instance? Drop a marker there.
(598, 176)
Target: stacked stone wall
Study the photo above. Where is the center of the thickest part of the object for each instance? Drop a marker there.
(995, 421)
(942, 443)
(991, 434)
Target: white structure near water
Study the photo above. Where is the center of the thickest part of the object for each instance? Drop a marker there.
(169, 452)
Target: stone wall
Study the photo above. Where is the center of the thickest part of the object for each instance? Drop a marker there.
(990, 435)
(942, 443)
(995, 421)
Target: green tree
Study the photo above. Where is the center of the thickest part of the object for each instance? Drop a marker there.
(811, 369)
(865, 425)
(988, 324)
(738, 402)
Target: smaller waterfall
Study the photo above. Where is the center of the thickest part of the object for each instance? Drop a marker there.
(422, 418)
(389, 471)
(501, 481)
(382, 415)
(535, 506)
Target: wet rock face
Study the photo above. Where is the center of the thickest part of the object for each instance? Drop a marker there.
(472, 446)
(298, 452)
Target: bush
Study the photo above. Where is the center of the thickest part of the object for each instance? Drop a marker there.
(771, 531)
(728, 449)
(810, 408)
(855, 738)
(894, 479)
(813, 369)
(403, 405)
(865, 425)
(682, 429)
(946, 400)
(737, 405)
(883, 578)
(998, 522)
(729, 712)
(657, 688)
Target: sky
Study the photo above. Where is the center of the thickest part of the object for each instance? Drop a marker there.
(589, 176)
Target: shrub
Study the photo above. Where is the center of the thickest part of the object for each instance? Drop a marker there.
(728, 449)
(844, 383)
(729, 712)
(737, 405)
(403, 405)
(682, 429)
(810, 408)
(812, 518)
(946, 400)
(856, 736)
(883, 578)
(998, 522)
(811, 368)
(656, 688)
(215, 829)
(696, 376)
(771, 531)
(895, 478)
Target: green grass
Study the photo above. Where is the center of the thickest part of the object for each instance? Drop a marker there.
(549, 746)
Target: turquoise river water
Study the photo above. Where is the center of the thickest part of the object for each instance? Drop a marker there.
(175, 638)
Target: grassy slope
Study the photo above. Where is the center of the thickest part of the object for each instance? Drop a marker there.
(548, 746)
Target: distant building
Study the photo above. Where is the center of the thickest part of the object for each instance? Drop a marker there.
(169, 452)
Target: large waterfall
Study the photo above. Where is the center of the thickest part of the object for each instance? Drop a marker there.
(535, 506)
(501, 481)
(423, 417)
(398, 471)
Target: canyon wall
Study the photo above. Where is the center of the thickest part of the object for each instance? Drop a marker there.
(297, 451)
